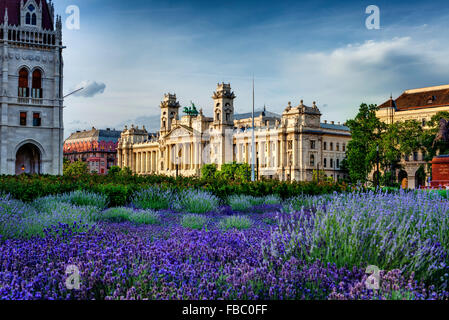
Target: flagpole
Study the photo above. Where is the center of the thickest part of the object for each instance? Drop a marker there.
(253, 145)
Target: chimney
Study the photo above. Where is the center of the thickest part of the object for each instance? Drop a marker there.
(332, 122)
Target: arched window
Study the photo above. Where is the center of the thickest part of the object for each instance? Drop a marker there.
(23, 83)
(28, 18)
(37, 85)
(312, 160)
(218, 116)
(34, 19)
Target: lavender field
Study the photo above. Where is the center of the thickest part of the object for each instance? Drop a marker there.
(192, 245)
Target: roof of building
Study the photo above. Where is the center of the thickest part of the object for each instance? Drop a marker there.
(95, 134)
(257, 114)
(334, 126)
(421, 98)
(13, 7)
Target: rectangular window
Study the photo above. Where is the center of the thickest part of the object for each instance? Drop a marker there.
(332, 146)
(338, 163)
(338, 147)
(344, 147)
(23, 118)
(312, 144)
(36, 119)
(324, 145)
(415, 156)
(325, 162)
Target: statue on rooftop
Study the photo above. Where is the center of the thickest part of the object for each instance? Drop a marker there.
(191, 111)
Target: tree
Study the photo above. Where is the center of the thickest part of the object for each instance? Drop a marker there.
(77, 168)
(428, 137)
(366, 130)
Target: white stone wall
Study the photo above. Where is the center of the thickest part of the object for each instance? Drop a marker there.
(48, 137)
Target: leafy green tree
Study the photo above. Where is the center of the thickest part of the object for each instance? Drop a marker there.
(366, 130)
(77, 168)
(114, 171)
(428, 137)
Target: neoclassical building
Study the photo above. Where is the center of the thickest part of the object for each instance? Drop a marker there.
(31, 105)
(421, 105)
(288, 146)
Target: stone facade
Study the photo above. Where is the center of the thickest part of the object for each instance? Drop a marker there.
(420, 105)
(98, 148)
(31, 116)
(288, 146)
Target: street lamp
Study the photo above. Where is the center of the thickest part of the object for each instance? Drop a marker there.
(378, 170)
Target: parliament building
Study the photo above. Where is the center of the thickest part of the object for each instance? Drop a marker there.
(290, 146)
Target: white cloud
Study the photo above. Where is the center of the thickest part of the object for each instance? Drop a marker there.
(90, 89)
(368, 72)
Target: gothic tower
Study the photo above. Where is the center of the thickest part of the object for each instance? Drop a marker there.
(31, 82)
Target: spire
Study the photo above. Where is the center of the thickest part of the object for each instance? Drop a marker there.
(6, 17)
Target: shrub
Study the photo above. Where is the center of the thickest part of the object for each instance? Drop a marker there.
(115, 215)
(240, 202)
(195, 201)
(19, 220)
(208, 171)
(145, 217)
(244, 203)
(194, 221)
(407, 231)
(155, 197)
(84, 198)
(236, 222)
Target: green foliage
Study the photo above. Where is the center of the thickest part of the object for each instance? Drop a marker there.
(75, 169)
(120, 190)
(81, 198)
(234, 172)
(361, 150)
(115, 215)
(145, 217)
(244, 203)
(155, 197)
(195, 201)
(194, 221)
(208, 171)
(236, 222)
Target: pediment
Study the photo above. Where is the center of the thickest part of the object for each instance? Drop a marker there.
(180, 131)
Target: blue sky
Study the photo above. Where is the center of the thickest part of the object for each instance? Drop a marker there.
(132, 52)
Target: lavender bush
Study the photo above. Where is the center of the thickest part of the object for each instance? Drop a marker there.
(236, 222)
(194, 221)
(19, 220)
(78, 198)
(244, 203)
(155, 198)
(195, 201)
(404, 231)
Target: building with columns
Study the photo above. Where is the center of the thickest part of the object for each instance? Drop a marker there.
(421, 105)
(31, 105)
(288, 146)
